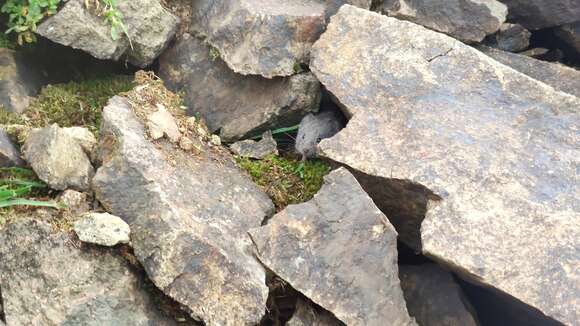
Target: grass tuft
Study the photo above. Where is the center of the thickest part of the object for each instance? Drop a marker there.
(286, 180)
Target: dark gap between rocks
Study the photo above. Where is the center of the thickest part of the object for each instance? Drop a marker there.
(281, 302)
(559, 50)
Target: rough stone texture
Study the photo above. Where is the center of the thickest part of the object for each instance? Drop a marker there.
(340, 251)
(188, 217)
(511, 38)
(332, 6)
(260, 37)
(307, 315)
(102, 229)
(162, 124)
(559, 76)
(9, 154)
(493, 150)
(76, 203)
(238, 106)
(570, 34)
(17, 82)
(256, 149)
(58, 159)
(467, 20)
(46, 280)
(83, 137)
(150, 28)
(538, 14)
(434, 298)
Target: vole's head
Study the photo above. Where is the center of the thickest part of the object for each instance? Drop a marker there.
(313, 129)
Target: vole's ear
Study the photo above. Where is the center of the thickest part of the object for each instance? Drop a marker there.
(318, 140)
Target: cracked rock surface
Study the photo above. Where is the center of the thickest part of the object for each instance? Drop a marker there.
(486, 155)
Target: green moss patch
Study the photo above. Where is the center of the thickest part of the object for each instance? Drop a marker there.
(286, 180)
(71, 104)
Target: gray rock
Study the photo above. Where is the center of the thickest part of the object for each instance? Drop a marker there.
(466, 20)
(237, 106)
(76, 203)
(307, 315)
(561, 77)
(188, 217)
(260, 37)
(332, 6)
(17, 82)
(162, 124)
(434, 298)
(150, 28)
(46, 280)
(256, 149)
(9, 154)
(570, 34)
(314, 128)
(83, 137)
(340, 251)
(511, 38)
(102, 229)
(538, 14)
(58, 159)
(485, 153)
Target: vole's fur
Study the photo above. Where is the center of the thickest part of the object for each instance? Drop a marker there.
(314, 128)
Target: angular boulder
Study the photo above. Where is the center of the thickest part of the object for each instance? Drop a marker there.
(260, 37)
(434, 298)
(256, 149)
(102, 229)
(18, 83)
(149, 28)
(538, 14)
(46, 280)
(559, 76)
(570, 33)
(9, 154)
(486, 155)
(188, 213)
(58, 159)
(466, 20)
(237, 106)
(340, 251)
(307, 315)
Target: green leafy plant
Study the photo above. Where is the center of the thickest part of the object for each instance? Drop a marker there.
(18, 183)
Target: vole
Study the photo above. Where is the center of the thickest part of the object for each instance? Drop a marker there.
(314, 128)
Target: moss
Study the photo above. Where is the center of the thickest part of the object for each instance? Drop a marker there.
(6, 42)
(71, 104)
(286, 180)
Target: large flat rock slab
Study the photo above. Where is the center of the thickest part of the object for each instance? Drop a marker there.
(234, 105)
(48, 280)
(467, 20)
(340, 251)
(188, 212)
(487, 155)
(149, 29)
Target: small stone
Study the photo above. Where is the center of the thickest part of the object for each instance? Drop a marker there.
(9, 154)
(191, 123)
(162, 124)
(186, 143)
(511, 38)
(75, 202)
(256, 149)
(58, 159)
(83, 136)
(216, 140)
(102, 229)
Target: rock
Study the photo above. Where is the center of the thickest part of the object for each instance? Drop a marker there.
(256, 149)
(511, 38)
(338, 250)
(161, 123)
(48, 281)
(434, 298)
(102, 229)
(75, 202)
(17, 81)
(307, 315)
(83, 137)
(466, 20)
(188, 217)
(332, 6)
(314, 128)
(237, 106)
(559, 76)
(58, 159)
(570, 33)
(150, 28)
(9, 154)
(486, 155)
(539, 14)
(260, 37)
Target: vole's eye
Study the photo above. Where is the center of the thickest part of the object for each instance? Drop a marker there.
(318, 140)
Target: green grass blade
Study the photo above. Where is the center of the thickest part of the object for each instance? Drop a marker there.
(28, 202)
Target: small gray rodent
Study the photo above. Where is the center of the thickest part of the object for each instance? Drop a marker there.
(314, 128)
